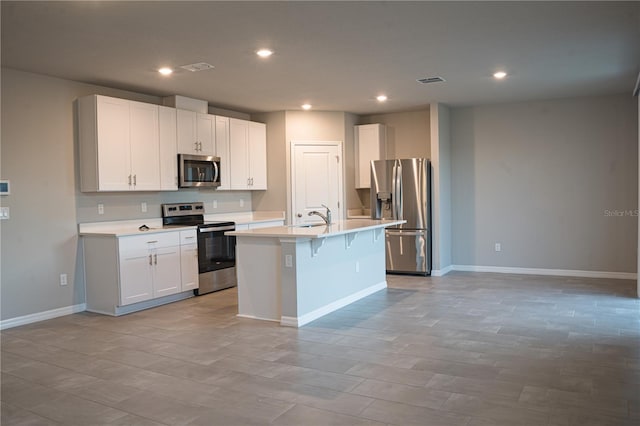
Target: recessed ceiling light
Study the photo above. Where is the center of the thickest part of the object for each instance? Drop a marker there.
(165, 71)
(264, 53)
(500, 75)
(306, 107)
(381, 98)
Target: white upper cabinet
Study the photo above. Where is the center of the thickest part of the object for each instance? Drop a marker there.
(168, 149)
(133, 146)
(145, 146)
(119, 145)
(195, 132)
(258, 155)
(248, 154)
(370, 144)
(222, 151)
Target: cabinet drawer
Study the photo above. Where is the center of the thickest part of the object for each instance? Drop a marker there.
(147, 241)
(188, 237)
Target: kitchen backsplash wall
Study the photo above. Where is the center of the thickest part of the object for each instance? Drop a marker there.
(124, 206)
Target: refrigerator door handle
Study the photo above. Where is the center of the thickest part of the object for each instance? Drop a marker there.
(397, 191)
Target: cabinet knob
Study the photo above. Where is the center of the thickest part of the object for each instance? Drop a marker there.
(299, 214)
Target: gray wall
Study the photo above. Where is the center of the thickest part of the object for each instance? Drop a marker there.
(441, 187)
(284, 127)
(39, 156)
(275, 198)
(408, 133)
(543, 179)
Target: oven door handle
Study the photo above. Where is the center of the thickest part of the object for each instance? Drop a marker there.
(218, 229)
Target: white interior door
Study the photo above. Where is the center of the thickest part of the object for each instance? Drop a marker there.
(316, 179)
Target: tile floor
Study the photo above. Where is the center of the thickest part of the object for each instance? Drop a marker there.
(466, 349)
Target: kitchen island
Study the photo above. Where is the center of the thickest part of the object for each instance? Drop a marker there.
(296, 274)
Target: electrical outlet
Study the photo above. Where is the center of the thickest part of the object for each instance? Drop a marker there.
(288, 261)
(498, 247)
(100, 208)
(241, 202)
(215, 204)
(63, 279)
(4, 213)
(143, 207)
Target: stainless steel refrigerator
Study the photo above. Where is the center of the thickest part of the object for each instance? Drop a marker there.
(401, 189)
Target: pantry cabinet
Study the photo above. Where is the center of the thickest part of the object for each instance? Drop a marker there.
(195, 133)
(248, 154)
(370, 144)
(119, 145)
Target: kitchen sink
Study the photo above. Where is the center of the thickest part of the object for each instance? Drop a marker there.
(308, 225)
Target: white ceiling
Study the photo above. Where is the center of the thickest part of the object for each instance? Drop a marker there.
(335, 55)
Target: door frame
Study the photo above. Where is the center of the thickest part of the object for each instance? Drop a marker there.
(291, 173)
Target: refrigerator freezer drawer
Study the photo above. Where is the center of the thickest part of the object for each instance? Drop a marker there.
(408, 252)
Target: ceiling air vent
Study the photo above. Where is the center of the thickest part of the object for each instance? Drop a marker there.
(430, 80)
(200, 66)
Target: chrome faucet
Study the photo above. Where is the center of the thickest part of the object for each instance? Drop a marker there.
(327, 218)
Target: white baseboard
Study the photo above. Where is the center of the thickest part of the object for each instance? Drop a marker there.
(333, 306)
(41, 316)
(441, 272)
(541, 271)
(253, 317)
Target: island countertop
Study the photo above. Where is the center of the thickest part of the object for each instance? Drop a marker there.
(340, 227)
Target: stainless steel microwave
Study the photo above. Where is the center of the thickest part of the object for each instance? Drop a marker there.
(198, 171)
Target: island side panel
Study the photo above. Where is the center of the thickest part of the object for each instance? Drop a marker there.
(258, 263)
(344, 269)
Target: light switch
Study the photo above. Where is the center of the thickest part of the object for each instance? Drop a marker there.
(288, 261)
(4, 213)
(143, 207)
(100, 208)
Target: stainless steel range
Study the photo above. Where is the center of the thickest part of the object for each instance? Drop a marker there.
(216, 251)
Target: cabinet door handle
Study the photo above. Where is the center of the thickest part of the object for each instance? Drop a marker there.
(189, 238)
(152, 242)
(155, 259)
(129, 180)
(150, 262)
(135, 180)
(196, 144)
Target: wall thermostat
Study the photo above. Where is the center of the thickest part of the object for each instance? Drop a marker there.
(4, 187)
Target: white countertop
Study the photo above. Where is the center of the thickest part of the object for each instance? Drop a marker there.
(122, 228)
(320, 231)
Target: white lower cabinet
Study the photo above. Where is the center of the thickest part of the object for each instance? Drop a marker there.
(128, 273)
(189, 260)
(149, 266)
